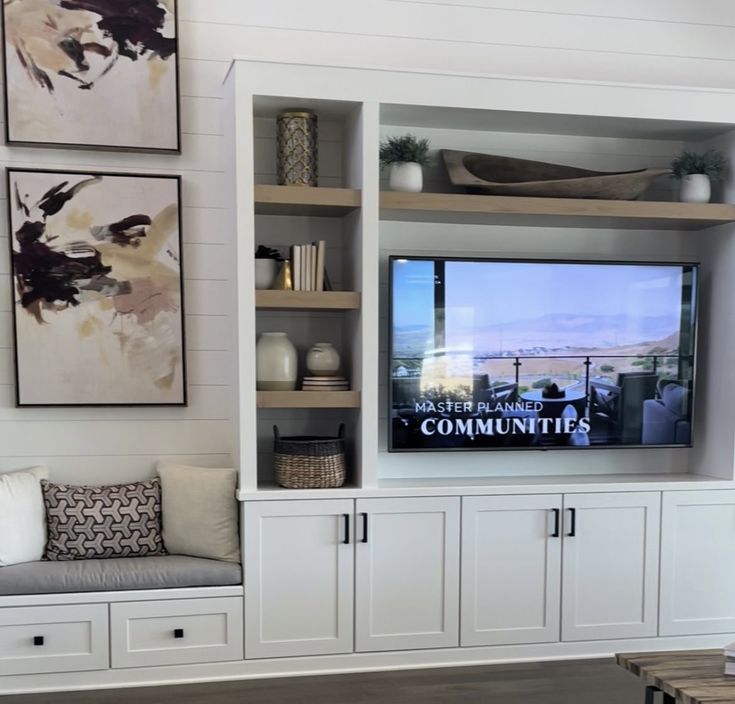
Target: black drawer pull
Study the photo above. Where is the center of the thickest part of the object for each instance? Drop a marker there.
(37, 640)
(346, 539)
(178, 632)
(573, 527)
(557, 522)
(364, 528)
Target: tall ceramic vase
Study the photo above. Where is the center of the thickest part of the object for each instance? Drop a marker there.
(276, 363)
(407, 177)
(695, 188)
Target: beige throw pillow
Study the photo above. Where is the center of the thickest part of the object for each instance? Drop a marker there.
(200, 512)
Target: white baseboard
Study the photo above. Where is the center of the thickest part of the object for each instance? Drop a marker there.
(342, 664)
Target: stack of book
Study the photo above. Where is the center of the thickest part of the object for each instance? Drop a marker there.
(308, 266)
(325, 383)
(730, 659)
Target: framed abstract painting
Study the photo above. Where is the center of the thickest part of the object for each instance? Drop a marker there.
(92, 74)
(97, 288)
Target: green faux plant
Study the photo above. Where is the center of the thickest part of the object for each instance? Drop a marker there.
(264, 252)
(404, 150)
(710, 163)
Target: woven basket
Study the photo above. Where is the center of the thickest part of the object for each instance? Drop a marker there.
(310, 462)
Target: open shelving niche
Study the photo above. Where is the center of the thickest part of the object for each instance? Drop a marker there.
(354, 116)
(281, 216)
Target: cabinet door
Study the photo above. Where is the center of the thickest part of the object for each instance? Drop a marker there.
(299, 582)
(511, 569)
(407, 573)
(610, 574)
(698, 562)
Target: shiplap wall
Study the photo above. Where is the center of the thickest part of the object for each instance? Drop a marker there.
(671, 42)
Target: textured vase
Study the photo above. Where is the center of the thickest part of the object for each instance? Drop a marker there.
(276, 362)
(322, 360)
(695, 188)
(407, 177)
(296, 148)
(265, 273)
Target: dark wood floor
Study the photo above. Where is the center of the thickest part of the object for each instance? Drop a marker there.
(569, 682)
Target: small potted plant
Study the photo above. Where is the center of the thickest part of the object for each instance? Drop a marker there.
(697, 172)
(405, 156)
(266, 266)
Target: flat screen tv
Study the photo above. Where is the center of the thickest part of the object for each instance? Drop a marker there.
(507, 354)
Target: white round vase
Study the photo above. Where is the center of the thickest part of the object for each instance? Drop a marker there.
(265, 273)
(406, 177)
(322, 360)
(695, 188)
(276, 363)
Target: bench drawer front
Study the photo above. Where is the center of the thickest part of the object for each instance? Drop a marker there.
(176, 632)
(53, 639)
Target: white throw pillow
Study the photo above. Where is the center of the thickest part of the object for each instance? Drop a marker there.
(200, 512)
(22, 516)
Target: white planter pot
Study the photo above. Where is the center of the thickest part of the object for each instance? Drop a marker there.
(407, 177)
(265, 273)
(277, 366)
(322, 360)
(695, 188)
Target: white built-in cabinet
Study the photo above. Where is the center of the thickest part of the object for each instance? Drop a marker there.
(540, 568)
(697, 563)
(610, 575)
(299, 598)
(303, 556)
(407, 573)
(511, 569)
(342, 575)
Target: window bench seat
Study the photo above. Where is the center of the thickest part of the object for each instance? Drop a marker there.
(117, 574)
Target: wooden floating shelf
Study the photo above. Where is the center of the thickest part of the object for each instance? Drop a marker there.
(308, 399)
(306, 200)
(570, 212)
(307, 300)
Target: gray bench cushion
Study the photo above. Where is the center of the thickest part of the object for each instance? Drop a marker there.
(116, 574)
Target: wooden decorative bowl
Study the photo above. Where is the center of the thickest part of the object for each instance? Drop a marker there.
(506, 176)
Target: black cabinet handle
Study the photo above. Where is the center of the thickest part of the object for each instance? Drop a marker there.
(178, 632)
(346, 539)
(573, 525)
(38, 640)
(364, 528)
(557, 523)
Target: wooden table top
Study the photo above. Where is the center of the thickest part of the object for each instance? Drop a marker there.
(690, 676)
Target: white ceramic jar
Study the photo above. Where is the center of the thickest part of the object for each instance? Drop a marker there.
(695, 188)
(322, 360)
(407, 177)
(276, 363)
(265, 273)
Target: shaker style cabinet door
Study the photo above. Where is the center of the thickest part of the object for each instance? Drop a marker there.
(698, 562)
(511, 569)
(407, 573)
(299, 583)
(610, 556)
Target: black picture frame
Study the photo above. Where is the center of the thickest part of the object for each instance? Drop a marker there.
(7, 107)
(19, 402)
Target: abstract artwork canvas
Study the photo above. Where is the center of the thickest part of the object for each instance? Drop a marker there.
(97, 288)
(92, 73)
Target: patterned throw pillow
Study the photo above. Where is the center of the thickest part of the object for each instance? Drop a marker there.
(86, 522)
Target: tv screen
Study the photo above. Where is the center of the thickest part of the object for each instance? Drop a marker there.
(500, 354)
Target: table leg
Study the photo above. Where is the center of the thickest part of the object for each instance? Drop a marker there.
(651, 694)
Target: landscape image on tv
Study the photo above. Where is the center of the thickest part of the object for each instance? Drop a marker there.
(489, 354)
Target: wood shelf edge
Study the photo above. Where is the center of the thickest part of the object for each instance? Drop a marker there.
(308, 196)
(307, 300)
(520, 205)
(308, 399)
